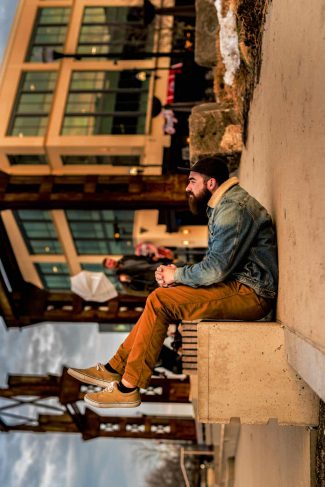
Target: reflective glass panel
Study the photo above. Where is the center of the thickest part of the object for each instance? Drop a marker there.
(107, 30)
(49, 33)
(110, 102)
(27, 159)
(102, 232)
(54, 275)
(38, 231)
(102, 160)
(33, 104)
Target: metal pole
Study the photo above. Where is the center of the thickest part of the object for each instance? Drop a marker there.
(124, 56)
(182, 462)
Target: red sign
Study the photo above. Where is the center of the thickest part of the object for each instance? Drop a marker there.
(174, 69)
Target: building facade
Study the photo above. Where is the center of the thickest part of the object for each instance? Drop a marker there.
(77, 99)
(93, 114)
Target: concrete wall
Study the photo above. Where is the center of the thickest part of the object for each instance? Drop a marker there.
(273, 456)
(283, 166)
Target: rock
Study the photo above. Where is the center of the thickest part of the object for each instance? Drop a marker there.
(232, 140)
(206, 28)
(215, 130)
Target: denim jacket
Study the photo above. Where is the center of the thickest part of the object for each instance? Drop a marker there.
(241, 245)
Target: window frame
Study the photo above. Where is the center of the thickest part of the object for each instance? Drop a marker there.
(37, 25)
(89, 129)
(22, 91)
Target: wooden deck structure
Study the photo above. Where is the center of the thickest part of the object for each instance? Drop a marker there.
(66, 417)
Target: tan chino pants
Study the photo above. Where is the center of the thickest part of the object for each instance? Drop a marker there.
(138, 354)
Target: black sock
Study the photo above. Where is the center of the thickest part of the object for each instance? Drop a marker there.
(122, 388)
(110, 369)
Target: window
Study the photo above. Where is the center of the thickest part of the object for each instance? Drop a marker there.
(33, 104)
(106, 102)
(49, 33)
(102, 160)
(38, 231)
(114, 30)
(27, 159)
(54, 275)
(101, 232)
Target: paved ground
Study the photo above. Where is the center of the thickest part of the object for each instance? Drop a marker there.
(273, 456)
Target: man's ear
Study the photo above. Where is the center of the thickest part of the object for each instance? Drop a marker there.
(212, 184)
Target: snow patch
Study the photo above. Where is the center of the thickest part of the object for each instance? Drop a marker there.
(228, 42)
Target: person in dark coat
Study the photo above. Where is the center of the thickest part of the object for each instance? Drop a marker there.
(136, 273)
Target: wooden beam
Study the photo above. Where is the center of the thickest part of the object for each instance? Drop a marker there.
(73, 192)
(66, 417)
(149, 427)
(31, 385)
(69, 390)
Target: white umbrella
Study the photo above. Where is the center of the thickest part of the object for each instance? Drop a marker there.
(93, 286)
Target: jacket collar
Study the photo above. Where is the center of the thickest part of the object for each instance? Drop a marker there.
(218, 194)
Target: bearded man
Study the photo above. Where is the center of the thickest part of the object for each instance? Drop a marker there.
(236, 280)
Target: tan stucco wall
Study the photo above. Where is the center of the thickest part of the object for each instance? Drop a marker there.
(283, 164)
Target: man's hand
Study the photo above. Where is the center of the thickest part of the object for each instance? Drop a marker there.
(165, 275)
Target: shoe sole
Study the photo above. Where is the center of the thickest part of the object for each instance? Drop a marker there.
(112, 405)
(87, 379)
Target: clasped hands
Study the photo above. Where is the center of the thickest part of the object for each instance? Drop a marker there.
(165, 275)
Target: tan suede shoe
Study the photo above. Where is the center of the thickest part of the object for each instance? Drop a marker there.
(96, 375)
(112, 397)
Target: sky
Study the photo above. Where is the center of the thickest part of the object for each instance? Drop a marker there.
(62, 460)
(7, 12)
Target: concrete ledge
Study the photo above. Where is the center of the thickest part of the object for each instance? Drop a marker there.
(243, 374)
(307, 360)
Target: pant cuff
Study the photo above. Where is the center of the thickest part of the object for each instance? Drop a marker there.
(136, 382)
(117, 365)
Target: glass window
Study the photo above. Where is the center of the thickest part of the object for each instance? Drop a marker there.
(102, 232)
(38, 231)
(28, 159)
(33, 103)
(54, 275)
(90, 215)
(96, 268)
(106, 102)
(102, 160)
(49, 33)
(114, 30)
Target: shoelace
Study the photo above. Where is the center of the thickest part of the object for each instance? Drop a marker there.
(109, 388)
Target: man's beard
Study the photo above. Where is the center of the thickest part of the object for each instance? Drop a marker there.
(198, 204)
